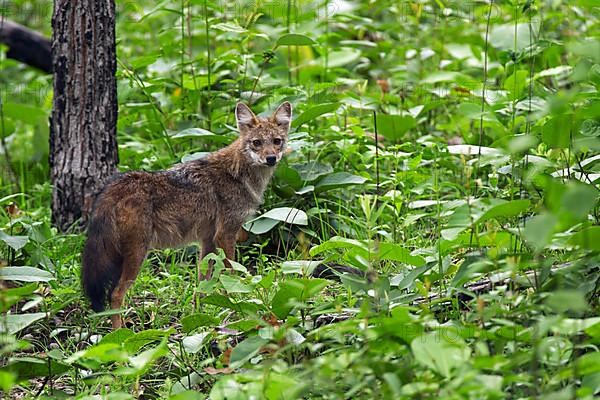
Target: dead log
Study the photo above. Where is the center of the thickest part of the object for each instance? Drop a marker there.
(26, 46)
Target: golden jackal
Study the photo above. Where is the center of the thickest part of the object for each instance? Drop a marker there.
(204, 200)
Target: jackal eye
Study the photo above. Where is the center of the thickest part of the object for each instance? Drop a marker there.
(256, 142)
(277, 141)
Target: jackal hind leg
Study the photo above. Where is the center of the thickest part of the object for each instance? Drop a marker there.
(225, 239)
(208, 246)
(132, 262)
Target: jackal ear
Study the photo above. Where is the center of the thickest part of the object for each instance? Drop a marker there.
(244, 117)
(283, 115)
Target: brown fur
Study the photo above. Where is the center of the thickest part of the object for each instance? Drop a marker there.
(205, 200)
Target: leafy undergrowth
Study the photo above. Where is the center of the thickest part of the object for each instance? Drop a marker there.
(451, 157)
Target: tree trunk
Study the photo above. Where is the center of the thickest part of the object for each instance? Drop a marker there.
(83, 144)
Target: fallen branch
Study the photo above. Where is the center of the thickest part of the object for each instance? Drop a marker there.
(26, 46)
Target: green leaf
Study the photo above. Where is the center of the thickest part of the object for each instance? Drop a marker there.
(14, 242)
(228, 27)
(343, 57)
(24, 112)
(539, 230)
(271, 218)
(33, 367)
(557, 131)
(588, 238)
(199, 133)
(394, 127)
(13, 323)
(338, 180)
(436, 351)
(195, 321)
(294, 39)
(517, 83)
(118, 336)
(338, 242)
(309, 171)
(142, 362)
(143, 338)
(395, 252)
(314, 112)
(194, 343)
(503, 36)
(470, 150)
(302, 267)
(506, 210)
(232, 284)
(25, 274)
(567, 300)
(288, 215)
(220, 300)
(246, 349)
(590, 128)
(300, 289)
(260, 225)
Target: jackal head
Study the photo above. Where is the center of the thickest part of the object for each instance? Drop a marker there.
(264, 140)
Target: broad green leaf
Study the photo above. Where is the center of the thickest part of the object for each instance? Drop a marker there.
(271, 218)
(260, 225)
(246, 349)
(471, 150)
(33, 367)
(338, 180)
(194, 321)
(539, 230)
(232, 284)
(300, 289)
(407, 280)
(517, 83)
(25, 274)
(24, 112)
(118, 336)
(342, 57)
(590, 128)
(309, 171)
(567, 300)
(194, 343)
(557, 131)
(436, 351)
(503, 36)
(199, 133)
(143, 361)
(13, 323)
(447, 76)
(288, 215)
(394, 127)
(572, 326)
(338, 242)
(14, 242)
(506, 210)
(555, 350)
(561, 70)
(228, 27)
(13, 295)
(587, 238)
(314, 112)
(302, 267)
(294, 39)
(143, 338)
(395, 252)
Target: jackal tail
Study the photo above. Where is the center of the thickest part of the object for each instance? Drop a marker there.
(102, 262)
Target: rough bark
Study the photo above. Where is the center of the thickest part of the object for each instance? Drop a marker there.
(83, 146)
(26, 46)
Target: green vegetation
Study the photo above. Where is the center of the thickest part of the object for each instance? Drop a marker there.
(481, 263)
